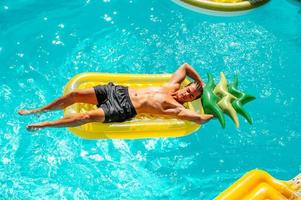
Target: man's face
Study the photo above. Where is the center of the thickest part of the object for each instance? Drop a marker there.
(188, 93)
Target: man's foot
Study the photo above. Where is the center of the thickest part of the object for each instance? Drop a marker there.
(28, 112)
(25, 112)
(33, 127)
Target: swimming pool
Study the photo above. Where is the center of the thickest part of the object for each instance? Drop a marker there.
(45, 43)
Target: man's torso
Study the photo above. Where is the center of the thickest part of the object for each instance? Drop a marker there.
(154, 100)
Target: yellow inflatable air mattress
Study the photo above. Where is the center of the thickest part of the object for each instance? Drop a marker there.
(259, 185)
(142, 126)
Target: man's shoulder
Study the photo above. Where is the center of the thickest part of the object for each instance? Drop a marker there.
(172, 87)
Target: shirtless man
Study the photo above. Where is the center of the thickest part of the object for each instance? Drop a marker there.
(118, 103)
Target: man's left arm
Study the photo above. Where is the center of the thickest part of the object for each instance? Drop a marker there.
(186, 114)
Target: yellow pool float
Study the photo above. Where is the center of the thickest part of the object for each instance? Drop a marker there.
(225, 5)
(142, 126)
(259, 185)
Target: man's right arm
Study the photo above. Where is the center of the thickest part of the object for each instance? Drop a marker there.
(183, 71)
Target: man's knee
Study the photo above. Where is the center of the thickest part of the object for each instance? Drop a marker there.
(84, 117)
(90, 117)
(73, 96)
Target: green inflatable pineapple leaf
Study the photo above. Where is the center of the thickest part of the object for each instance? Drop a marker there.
(223, 98)
(227, 98)
(242, 98)
(209, 101)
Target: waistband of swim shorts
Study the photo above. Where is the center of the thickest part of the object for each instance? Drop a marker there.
(126, 91)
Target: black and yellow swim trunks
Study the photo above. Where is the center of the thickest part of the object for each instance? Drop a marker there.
(115, 102)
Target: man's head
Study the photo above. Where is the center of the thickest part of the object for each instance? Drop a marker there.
(190, 92)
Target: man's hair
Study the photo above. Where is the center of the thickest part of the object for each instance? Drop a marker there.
(199, 88)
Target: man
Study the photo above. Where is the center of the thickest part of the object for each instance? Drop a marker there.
(117, 103)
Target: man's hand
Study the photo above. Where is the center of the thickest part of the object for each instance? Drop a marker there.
(204, 118)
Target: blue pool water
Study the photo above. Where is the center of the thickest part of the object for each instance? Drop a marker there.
(45, 43)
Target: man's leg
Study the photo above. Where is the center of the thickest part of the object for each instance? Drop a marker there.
(77, 96)
(71, 120)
